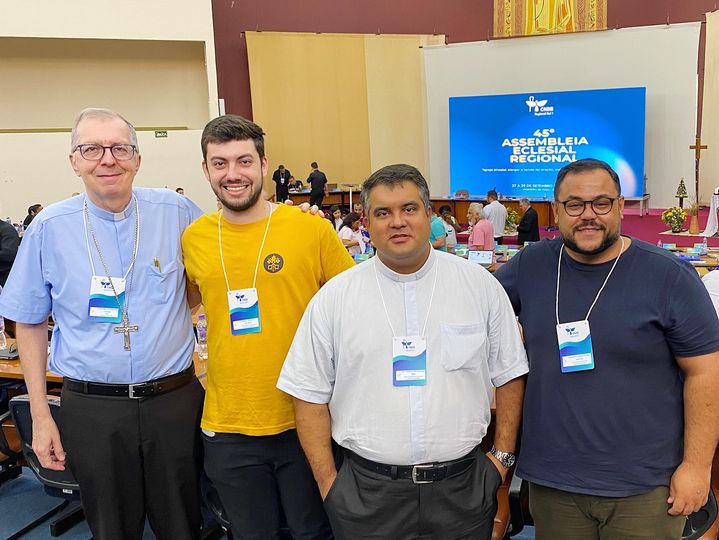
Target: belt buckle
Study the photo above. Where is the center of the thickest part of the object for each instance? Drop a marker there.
(415, 468)
(131, 390)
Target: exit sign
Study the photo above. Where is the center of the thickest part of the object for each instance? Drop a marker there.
(161, 134)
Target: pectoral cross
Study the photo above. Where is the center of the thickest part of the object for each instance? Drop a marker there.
(126, 328)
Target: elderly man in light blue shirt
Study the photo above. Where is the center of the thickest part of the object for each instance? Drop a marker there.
(108, 267)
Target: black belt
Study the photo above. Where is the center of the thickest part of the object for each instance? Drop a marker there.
(419, 474)
(134, 391)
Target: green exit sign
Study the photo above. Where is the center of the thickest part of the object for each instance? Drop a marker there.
(161, 134)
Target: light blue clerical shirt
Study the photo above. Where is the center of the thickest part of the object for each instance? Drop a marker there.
(52, 275)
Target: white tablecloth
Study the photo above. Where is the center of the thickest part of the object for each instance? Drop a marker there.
(712, 222)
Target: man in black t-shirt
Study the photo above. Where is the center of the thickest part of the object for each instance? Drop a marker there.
(621, 405)
(318, 185)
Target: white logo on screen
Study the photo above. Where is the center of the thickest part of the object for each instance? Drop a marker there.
(539, 107)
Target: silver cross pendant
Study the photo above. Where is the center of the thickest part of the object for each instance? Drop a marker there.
(126, 328)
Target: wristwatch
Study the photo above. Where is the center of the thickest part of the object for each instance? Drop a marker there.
(507, 459)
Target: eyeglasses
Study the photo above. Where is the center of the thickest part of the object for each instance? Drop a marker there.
(600, 206)
(94, 152)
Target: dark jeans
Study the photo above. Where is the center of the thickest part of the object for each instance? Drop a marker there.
(260, 478)
(364, 504)
(135, 458)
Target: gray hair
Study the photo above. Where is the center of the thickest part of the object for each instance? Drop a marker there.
(524, 200)
(479, 209)
(101, 113)
(391, 176)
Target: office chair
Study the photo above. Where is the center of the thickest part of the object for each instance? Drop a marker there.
(55, 483)
(697, 523)
(11, 458)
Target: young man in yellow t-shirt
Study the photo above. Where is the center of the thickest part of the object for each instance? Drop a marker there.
(256, 266)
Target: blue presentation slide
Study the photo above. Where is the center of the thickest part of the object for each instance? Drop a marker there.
(516, 143)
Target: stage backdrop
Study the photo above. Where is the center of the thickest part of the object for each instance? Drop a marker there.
(662, 59)
(516, 143)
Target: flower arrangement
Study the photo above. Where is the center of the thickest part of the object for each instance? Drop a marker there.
(674, 217)
(512, 217)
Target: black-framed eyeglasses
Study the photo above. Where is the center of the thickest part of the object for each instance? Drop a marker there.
(600, 206)
(94, 152)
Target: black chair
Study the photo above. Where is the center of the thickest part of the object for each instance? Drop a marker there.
(55, 483)
(697, 523)
(11, 457)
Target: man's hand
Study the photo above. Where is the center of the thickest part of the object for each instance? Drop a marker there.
(326, 484)
(502, 471)
(46, 444)
(305, 207)
(689, 489)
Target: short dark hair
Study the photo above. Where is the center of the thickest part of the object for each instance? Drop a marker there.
(445, 208)
(179, 189)
(492, 193)
(350, 218)
(231, 127)
(313, 164)
(282, 167)
(34, 208)
(586, 165)
(334, 208)
(391, 176)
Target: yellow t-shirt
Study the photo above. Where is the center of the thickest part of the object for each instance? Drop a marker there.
(301, 253)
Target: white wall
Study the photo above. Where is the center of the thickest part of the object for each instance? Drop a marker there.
(34, 166)
(662, 58)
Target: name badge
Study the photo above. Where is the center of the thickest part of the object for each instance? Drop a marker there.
(409, 361)
(244, 311)
(575, 346)
(103, 306)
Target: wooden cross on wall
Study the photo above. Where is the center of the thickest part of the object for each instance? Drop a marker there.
(697, 147)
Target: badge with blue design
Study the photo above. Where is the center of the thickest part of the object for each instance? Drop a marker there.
(103, 306)
(409, 361)
(575, 346)
(244, 311)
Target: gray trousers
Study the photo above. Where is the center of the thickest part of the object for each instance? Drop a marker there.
(364, 504)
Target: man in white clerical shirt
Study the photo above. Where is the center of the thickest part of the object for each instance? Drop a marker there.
(496, 214)
(409, 407)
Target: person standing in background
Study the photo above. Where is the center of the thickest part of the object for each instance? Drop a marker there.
(496, 214)
(281, 177)
(318, 185)
(528, 227)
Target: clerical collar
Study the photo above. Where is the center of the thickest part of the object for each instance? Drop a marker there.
(404, 278)
(128, 211)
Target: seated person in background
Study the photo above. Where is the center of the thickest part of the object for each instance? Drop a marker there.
(351, 235)
(482, 235)
(295, 184)
(336, 217)
(437, 232)
(451, 226)
(528, 227)
(31, 213)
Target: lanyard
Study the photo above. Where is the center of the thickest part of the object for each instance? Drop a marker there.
(559, 268)
(431, 298)
(86, 218)
(259, 254)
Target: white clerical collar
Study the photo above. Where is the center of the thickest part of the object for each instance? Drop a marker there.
(128, 211)
(414, 276)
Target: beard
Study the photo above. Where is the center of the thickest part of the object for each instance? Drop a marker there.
(241, 205)
(608, 241)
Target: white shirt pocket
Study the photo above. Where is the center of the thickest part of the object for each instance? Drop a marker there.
(463, 346)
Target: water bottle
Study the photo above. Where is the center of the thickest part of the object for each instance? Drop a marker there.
(3, 339)
(202, 337)
(705, 246)
(659, 243)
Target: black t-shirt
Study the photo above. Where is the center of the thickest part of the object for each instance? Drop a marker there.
(616, 430)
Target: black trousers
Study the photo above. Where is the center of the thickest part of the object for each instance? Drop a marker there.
(136, 458)
(281, 193)
(316, 197)
(260, 478)
(364, 504)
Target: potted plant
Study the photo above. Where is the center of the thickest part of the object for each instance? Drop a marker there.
(674, 217)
